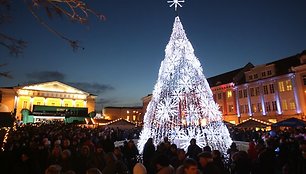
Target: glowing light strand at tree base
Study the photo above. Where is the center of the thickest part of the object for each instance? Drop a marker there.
(182, 105)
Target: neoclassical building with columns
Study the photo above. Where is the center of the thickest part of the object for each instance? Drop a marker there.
(269, 92)
(48, 100)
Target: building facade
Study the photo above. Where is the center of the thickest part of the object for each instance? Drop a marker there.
(56, 96)
(270, 92)
(133, 114)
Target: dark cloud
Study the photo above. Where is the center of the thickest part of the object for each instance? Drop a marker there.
(94, 88)
(43, 76)
(104, 102)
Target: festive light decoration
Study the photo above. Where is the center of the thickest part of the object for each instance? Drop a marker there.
(176, 3)
(182, 105)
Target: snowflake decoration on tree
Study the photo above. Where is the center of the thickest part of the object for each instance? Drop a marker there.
(183, 137)
(166, 109)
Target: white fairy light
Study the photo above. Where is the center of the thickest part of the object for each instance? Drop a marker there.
(182, 105)
(176, 3)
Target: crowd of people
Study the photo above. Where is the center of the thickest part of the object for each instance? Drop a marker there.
(73, 149)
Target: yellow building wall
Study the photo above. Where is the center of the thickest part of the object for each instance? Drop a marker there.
(53, 102)
(38, 101)
(67, 103)
(79, 103)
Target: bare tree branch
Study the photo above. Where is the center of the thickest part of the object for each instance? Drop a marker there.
(15, 46)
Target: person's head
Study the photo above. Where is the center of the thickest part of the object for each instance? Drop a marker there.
(216, 154)
(53, 169)
(93, 171)
(110, 158)
(190, 166)
(204, 158)
(161, 161)
(66, 143)
(181, 154)
(85, 150)
(193, 141)
(173, 148)
(233, 145)
(206, 149)
(150, 141)
(66, 154)
(139, 169)
(57, 151)
(131, 144)
(117, 152)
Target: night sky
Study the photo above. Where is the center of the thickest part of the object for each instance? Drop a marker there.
(122, 54)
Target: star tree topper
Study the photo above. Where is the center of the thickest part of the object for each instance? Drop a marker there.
(176, 3)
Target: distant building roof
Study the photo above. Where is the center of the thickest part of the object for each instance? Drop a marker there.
(115, 107)
(235, 76)
(283, 66)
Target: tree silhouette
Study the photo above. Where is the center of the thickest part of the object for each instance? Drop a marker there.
(74, 10)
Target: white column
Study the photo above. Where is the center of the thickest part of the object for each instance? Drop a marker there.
(277, 98)
(249, 101)
(263, 107)
(296, 97)
(237, 102)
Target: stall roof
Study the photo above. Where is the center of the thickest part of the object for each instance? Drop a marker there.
(290, 122)
(253, 123)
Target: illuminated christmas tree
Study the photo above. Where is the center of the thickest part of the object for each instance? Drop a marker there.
(182, 105)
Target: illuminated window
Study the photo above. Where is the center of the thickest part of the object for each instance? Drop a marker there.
(304, 79)
(134, 117)
(265, 87)
(219, 96)
(268, 106)
(25, 104)
(241, 108)
(274, 108)
(128, 118)
(127, 112)
(246, 107)
(240, 93)
(284, 105)
(229, 94)
(292, 105)
(269, 72)
(259, 107)
(257, 92)
(288, 85)
(271, 86)
(281, 86)
(254, 108)
(252, 91)
(245, 93)
(230, 108)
